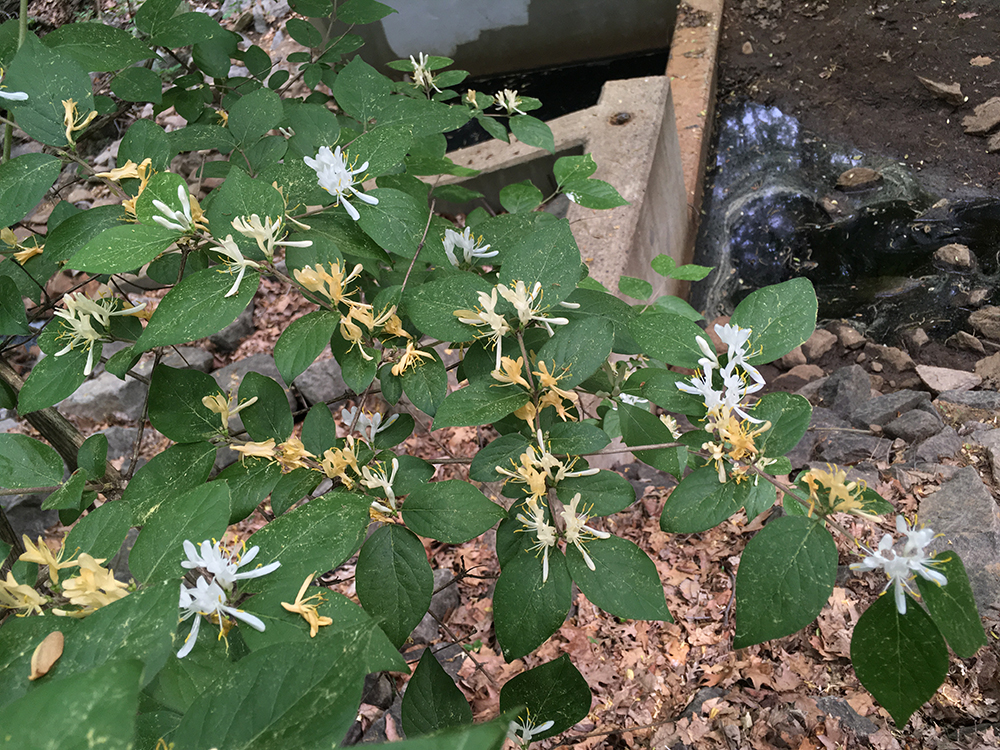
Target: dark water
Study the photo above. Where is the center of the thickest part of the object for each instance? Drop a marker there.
(561, 90)
(773, 211)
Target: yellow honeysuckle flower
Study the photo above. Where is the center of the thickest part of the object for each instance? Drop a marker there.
(308, 611)
(510, 372)
(411, 358)
(292, 454)
(74, 121)
(141, 172)
(14, 595)
(220, 404)
(256, 450)
(337, 460)
(42, 555)
(94, 588)
(331, 284)
(23, 256)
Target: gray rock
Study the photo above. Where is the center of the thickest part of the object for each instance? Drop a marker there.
(108, 399)
(321, 382)
(945, 444)
(966, 516)
(6, 425)
(987, 400)
(984, 117)
(845, 390)
(120, 441)
(940, 379)
(822, 426)
(966, 342)
(915, 426)
(192, 357)
(955, 256)
(988, 371)
(25, 514)
(833, 706)
(883, 409)
(379, 690)
(990, 440)
(986, 320)
(850, 448)
(443, 603)
(229, 338)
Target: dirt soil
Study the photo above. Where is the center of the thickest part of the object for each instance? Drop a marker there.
(848, 70)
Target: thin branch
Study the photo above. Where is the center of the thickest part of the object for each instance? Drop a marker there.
(423, 238)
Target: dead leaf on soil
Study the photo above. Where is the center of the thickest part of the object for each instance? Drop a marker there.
(980, 61)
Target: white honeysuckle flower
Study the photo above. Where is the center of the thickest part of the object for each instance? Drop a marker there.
(266, 234)
(180, 221)
(78, 316)
(470, 246)
(545, 533)
(735, 392)
(366, 424)
(487, 316)
(381, 480)
(509, 101)
(523, 735)
(224, 564)
(421, 75)
(207, 599)
(576, 530)
(337, 178)
(711, 359)
(701, 385)
(902, 567)
(524, 304)
(671, 424)
(628, 398)
(13, 96)
(237, 262)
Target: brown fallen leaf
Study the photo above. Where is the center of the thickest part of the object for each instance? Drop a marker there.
(980, 61)
(948, 92)
(46, 654)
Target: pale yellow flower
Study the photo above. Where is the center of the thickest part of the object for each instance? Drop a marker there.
(510, 372)
(94, 587)
(23, 256)
(42, 555)
(411, 358)
(302, 606)
(331, 284)
(264, 449)
(14, 595)
(528, 472)
(74, 121)
(220, 404)
(292, 454)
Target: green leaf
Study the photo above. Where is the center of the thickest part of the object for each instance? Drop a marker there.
(624, 581)
(422, 116)
(123, 248)
(397, 223)
(198, 514)
(145, 139)
(569, 168)
(26, 462)
(520, 197)
(254, 114)
(138, 85)
(602, 494)
(338, 229)
(601, 304)
(789, 416)
(479, 403)
(242, 195)
(104, 700)
(952, 606)
(23, 183)
(363, 11)
(175, 406)
(303, 341)
(178, 468)
(383, 148)
(394, 581)
(98, 47)
(575, 438)
(494, 127)
(635, 288)
(901, 659)
(69, 494)
(292, 487)
(312, 8)
(360, 89)
(526, 610)
(197, 307)
(762, 495)
(576, 350)
(249, 481)
(785, 578)
(101, 532)
(13, 317)
(593, 194)
(533, 132)
(639, 427)
(660, 387)
(201, 137)
(451, 511)
(678, 306)
(555, 691)
(699, 502)
(781, 317)
(432, 701)
(669, 338)
(317, 536)
(426, 385)
(48, 77)
(357, 372)
(548, 255)
(314, 126)
(93, 454)
(501, 452)
(432, 306)
(270, 416)
(303, 32)
(285, 695)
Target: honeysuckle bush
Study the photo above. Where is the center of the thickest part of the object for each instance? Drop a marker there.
(322, 191)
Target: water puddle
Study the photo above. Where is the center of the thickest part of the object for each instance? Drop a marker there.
(778, 204)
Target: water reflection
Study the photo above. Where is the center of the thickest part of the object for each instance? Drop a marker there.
(773, 210)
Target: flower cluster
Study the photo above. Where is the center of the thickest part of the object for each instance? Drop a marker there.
(422, 75)
(79, 316)
(92, 588)
(830, 492)
(214, 588)
(290, 454)
(266, 234)
(366, 424)
(510, 373)
(574, 530)
(470, 246)
(902, 566)
(336, 177)
(735, 438)
(225, 406)
(142, 172)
